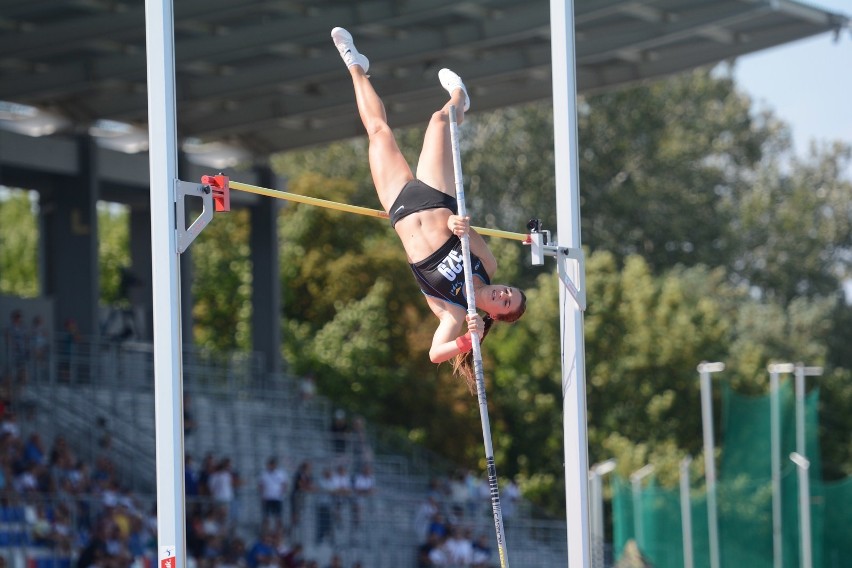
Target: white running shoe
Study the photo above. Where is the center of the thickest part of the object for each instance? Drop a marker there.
(346, 46)
(451, 82)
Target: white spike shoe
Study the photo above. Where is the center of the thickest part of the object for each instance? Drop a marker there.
(346, 46)
(450, 81)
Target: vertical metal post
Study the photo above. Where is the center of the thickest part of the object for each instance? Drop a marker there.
(636, 485)
(598, 535)
(168, 381)
(571, 316)
(775, 440)
(704, 371)
(800, 459)
(686, 512)
(477, 353)
(803, 465)
(801, 372)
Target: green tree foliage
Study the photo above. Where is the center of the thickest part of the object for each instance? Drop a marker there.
(793, 230)
(656, 162)
(18, 245)
(113, 251)
(221, 284)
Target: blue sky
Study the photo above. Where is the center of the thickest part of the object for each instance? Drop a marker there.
(808, 83)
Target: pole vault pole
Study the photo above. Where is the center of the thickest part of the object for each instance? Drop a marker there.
(477, 352)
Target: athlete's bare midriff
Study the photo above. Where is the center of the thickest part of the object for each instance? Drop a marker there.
(423, 233)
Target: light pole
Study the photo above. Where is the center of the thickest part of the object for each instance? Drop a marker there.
(636, 484)
(775, 440)
(800, 459)
(686, 512)
(596, 474)
(704, 371)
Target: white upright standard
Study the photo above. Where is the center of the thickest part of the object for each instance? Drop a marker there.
(704, 370)
(775, 457)
(571, 314)
(168, 380)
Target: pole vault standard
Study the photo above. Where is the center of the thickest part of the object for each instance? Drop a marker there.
(477, 351)
(169, 239)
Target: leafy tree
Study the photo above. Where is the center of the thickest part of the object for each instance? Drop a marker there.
(793, 229)
(221, 284)
(18, 245)
(113, 251)
(656, 162)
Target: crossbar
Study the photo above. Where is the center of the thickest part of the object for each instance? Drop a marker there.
(278, 194)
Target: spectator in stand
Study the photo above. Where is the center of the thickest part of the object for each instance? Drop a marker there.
(511, 496)
(263, 552)
(307, 388)
(195, 538)
(438, 525)
(208, 468)
(273, 484)
(10, 426)
(222, 488)
(40, 345)
(423, 517)
(324, 507)
(71, 342)
(188, 416)
(438, 555)
(364, 485)
(341, 490)
(458, 547)
(335, 562)
(339, 431)
(303, 482)
(192, 477)
(94, 553)
(34, 450)
(481, 552)
(362, 453)
(17, 347)
(295, 558)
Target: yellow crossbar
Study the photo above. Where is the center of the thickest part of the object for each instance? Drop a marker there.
(352, 208)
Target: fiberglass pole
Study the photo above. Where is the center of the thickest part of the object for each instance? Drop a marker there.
(477, 353)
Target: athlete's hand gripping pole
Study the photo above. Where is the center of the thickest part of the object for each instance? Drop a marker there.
(477, 353)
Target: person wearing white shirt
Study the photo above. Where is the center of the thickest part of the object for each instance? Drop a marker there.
(273, 483)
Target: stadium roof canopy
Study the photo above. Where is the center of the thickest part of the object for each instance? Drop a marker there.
(263, 74)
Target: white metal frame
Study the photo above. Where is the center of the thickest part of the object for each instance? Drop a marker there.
(168, 378)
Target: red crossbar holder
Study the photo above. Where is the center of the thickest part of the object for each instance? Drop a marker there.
(221, 191)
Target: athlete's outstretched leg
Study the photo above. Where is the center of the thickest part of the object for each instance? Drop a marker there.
(387, 164)
(435, 166)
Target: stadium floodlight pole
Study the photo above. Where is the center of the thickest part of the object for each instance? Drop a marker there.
(803, 465)
(596, 475)
(704, 371)
(636, 485)
(168, 380)
(776, 369)
(476, 348)
(686, 512)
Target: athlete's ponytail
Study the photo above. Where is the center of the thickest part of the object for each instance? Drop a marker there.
(463, 362)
